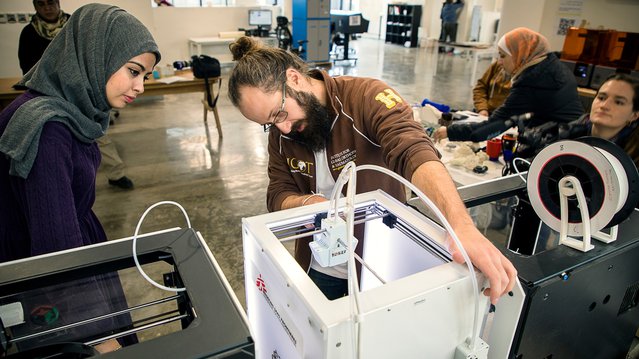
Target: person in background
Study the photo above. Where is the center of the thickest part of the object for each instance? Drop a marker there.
(614, 113)
(491, 89)
(36, 36)
(163, 3)
(450, 17)
(34, 39)
(112, 163)
(317, 124)
(49, 155)
(541, 85)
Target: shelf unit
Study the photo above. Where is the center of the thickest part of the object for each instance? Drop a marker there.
(402, 23)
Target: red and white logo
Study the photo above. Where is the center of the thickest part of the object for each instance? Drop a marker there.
(261, 285)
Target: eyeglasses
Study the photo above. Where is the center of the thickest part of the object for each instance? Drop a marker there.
(281, 115)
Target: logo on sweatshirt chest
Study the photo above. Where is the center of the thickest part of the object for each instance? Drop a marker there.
(299, 166)
(389, 98)
(340, 159)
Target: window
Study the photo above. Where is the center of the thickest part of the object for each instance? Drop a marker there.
(207, 3)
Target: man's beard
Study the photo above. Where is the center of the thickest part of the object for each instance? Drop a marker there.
(318, 122)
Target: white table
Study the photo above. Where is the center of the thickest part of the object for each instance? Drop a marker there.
(476, 51)
(212, 46)
(218, 47)
(481, 214)
(462, 176)
(477, 54)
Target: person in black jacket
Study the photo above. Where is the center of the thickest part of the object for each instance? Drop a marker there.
(35, 37)
(541, 85)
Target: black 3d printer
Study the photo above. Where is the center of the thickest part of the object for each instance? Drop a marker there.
(345, 24)
(48, 309)
(581, 299)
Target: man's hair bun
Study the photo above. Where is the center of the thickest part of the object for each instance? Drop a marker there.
(242, 46)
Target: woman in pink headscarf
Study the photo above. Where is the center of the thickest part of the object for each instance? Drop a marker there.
(520, 49)
(541, 85)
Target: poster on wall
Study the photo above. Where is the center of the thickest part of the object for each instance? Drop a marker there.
(571, 6)
(568, 13)
(564, 25)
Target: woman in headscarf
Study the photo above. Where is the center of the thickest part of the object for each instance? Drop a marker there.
(49, 158)
(541, 85)
(44, 26)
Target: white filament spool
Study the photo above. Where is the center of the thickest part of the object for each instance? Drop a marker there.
(622, 180)
(602, 177)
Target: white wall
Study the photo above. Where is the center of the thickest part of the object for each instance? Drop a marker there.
(544, 17)
(621, 15)
(185, 23)
(372, 11)
(10, 33)
(171, 27)
(520, 13)
(430, 23)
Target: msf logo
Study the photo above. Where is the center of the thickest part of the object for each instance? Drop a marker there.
(388, 98)
(260, 284)
(298, 166)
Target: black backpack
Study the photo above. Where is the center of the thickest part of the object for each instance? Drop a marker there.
(206, 67)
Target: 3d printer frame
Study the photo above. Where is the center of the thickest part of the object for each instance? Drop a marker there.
(573, 299)
(213, 321)
(423, 306)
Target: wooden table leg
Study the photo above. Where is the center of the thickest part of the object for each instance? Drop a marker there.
(208, 108)
(217, 122)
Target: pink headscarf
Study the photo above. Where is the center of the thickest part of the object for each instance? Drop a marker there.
(526, 47)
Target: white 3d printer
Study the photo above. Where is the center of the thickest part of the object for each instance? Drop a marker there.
(414, 302)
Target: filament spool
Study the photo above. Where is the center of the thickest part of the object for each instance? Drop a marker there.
(606, 173)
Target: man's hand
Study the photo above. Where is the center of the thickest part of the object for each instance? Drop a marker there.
(302, 200)
(433, 179)
(483, 113)
(501, 274)
(110, 345)
(440, 134)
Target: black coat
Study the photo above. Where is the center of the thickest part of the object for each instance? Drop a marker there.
(547, 89)
(30, 48)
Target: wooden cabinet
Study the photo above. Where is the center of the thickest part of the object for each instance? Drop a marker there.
(402, 24)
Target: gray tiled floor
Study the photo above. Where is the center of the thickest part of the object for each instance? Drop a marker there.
(172, 155)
